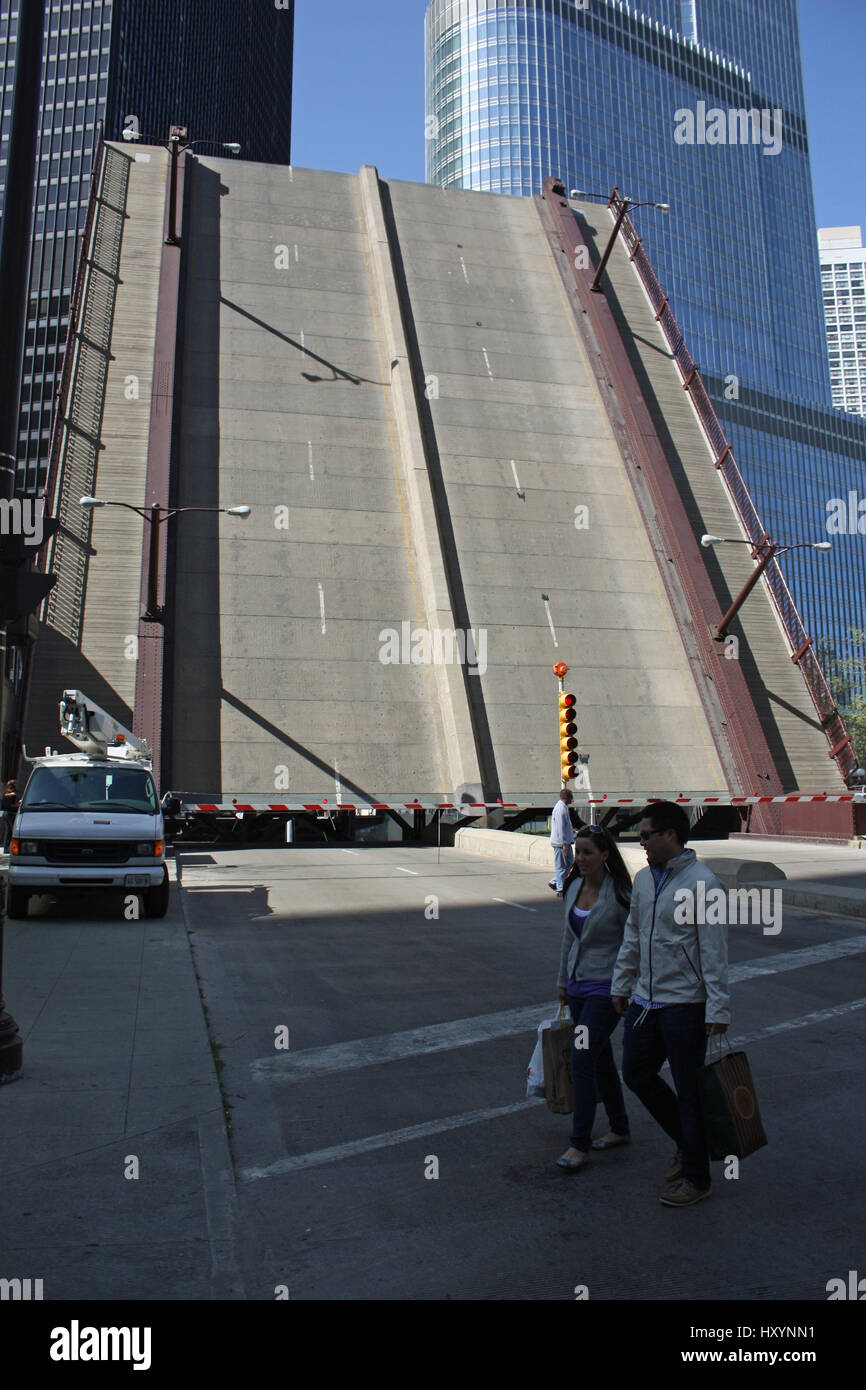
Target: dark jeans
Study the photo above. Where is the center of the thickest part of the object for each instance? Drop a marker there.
(676, 1032)
(593, 1070)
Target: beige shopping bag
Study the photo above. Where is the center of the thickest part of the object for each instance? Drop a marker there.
(556, 1042)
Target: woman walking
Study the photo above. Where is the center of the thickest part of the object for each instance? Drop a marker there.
(597, 895)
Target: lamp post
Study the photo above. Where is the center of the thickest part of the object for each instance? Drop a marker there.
(176, 142)
(627, 207)
(774, 548)
(155, 515)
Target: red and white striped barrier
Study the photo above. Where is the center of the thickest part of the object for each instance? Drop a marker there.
(257, 804)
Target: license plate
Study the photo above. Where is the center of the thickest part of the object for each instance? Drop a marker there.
(137, 881)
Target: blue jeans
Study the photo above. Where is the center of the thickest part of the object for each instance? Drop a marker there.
(676, 1032)
(563, 858)
(593, 1070)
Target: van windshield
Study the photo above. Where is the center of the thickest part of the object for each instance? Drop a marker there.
(121, 789)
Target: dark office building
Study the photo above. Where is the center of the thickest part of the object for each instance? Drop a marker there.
(221, 69)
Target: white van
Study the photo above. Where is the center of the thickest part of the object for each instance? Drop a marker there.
(87, 823)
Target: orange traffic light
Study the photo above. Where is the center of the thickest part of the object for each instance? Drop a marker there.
(567, 736)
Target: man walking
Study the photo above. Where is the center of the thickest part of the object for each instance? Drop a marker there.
(675, 969)
(562, 839)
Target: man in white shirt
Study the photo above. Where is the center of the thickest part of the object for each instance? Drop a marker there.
(562, 839)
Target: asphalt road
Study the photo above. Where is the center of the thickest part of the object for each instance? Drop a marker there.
(374, 1012)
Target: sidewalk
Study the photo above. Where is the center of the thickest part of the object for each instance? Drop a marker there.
(118, 1076)
(823, 878)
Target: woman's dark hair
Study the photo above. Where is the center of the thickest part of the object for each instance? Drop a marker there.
(615, 863)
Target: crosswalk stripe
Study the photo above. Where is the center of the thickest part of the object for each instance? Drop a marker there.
(296, 1162)
(382, 1141)
(464, 1032)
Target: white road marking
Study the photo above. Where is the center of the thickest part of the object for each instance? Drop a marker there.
(464, 1032)
(296, 252)
(310, 459)
(291, 174)
(356, 1147)
(797, 959)
(382, 1141)
(550, 621)
(322, 608)
(522, 906)
(401, 870)
(350, 851)
(487, 362)
(465, 275)
(804, 1021)
(394, 1047)
(520, 492)
(303, 343)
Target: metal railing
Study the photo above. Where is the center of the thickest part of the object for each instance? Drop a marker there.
(802, 652)
(47, 490)
(75, 440)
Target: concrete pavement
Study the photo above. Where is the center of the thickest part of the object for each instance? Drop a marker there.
(116, 1175)
(408, 1036)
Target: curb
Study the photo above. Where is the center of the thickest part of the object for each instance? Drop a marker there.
(215, 1157)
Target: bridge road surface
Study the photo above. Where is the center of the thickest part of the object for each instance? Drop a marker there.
(298, 395)
(332, 1199)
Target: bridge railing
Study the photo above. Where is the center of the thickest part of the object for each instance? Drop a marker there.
(802, 651)
(75, 440)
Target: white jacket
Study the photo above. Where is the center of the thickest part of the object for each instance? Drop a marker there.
(671, 962)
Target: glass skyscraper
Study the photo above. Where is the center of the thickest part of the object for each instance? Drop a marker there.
(222, 69)
(699, 105)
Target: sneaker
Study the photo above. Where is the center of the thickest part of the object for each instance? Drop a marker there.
(675, 1171)
(683, 1194)
(551, 883)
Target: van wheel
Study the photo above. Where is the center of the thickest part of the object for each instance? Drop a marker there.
(156, 899)
(16, 902)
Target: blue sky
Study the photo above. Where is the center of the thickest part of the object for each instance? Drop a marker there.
(359, 93)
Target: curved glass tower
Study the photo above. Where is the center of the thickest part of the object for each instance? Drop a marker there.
(698, 104)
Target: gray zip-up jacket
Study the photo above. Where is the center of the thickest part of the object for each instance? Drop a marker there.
(594, 955)
(667, 961)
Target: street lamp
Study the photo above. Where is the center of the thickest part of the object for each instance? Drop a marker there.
(627, 207)
(774, 548)
(176, 142)
(155, 516)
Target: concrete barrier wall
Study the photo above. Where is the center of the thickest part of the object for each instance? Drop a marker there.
(732, 871)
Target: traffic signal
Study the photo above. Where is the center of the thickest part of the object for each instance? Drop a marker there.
(22, 589)
(568, 736)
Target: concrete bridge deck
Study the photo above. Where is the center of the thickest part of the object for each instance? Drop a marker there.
(400, 383)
